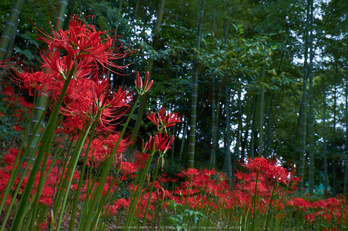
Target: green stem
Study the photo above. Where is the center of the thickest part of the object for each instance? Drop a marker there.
(76, 156)
(254, 203)
(46, 145)
(151, 190)
(68, 165)
(270, 206)
(77, 194)
(98, 192)
(103, 200)
(136, 194)
(18, 162)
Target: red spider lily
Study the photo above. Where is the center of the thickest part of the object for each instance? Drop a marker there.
(163, 143)
(161, 193)
(115, 106)
(71, 125)
(139, 83)
(50, 185)
(209, 172)
(277, 173)
(165, 120)
(79, 101)
(128, 168)
(43, 226)
(54, 62)
(17, 128)
(101, 149)
(158, 143)
(101, 93)
(327, 229)
(140, 160)
(84, 41)
(119, 204)
(154, 119)
(191, 172)
(258, 163)
(299, 204)
(30, 81)
(222, 176)
(169, 120)
(156, 185)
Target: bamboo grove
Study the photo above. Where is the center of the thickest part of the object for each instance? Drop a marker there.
(250, 78)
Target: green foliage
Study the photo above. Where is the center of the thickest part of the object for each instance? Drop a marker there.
(260, 32)
(13, 118)
(183, 218)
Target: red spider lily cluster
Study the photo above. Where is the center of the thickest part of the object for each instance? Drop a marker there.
(16, 110)
(198, 189)
(82, 42)
(50, 187)
(84, 53)
(208, 190)
(161, 142)
(101, 149)
(12, 100)
(165, 120)
(264, 176)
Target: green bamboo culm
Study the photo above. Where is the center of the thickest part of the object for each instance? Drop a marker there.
(10, 27)
(9, 33)
(42, 101)
(192, 139)
(304, 103)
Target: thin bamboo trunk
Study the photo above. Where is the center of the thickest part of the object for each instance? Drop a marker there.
(213, 148)
(119, 16)
(310, 109)
(11, 44)
(239, 129)
(192, 140)
(269, 128)
(298, 125)
(324, 146)
(262, 100)
(228, 136)
(183, 140)
(253, 131)
(213, 107)
(346, 169)
(246, 136)
(304, 103)
(215, 137)
(9, 33)
(333, 155)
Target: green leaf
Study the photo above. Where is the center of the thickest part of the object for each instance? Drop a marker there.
(29, 39)
(26, 52)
